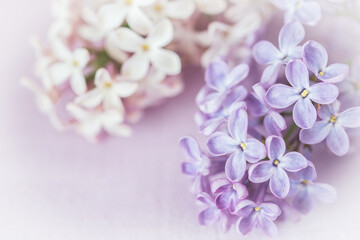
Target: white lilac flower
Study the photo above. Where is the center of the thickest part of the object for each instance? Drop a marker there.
(212, 7)
(176, 9)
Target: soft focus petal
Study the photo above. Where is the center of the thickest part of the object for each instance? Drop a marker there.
(268, 227)
(338, 141)
(324, 192)
(270, 210)
(209, 216)
(214, 7)
(190, 169)
(290, 36)
(326, 111)
(316, 133)
(212, 102)
(293, 162)
(220, 143)
(236, 75)
(304, 113)
(303, 201)
(247, 224)
(181, 9)
(166, 61)
(323, 93)
(270, 74)
(138, 21)
(350, 118)
(136, 67)
(162, 34)
(60, 72)
(238, 125)
(315, 57)
(78, 83)
(281, 96)
(275, 147)
(90, 99)
(127, 40)
(308, 173)
(261, 172)
(335, 73)
(297, 75)
(235, 166)
(190, 148)
(279, 183)
(309, 13)
(265, 52)
(215, 74)
(112, 15)
(255, 150)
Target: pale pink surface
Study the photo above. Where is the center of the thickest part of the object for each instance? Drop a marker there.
(58, 186)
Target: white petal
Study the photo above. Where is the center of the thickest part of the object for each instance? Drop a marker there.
(138, 21)
(81, 56)
(135, 67)
(166, 61)
(112, 15)
(102, 76)
(60, 72)
(128, 40)
(78, 83)
(124, 89)
(143, 3)
(211, 7)
(121, 130)
(181, 9)
(162, 34)
(91, 99)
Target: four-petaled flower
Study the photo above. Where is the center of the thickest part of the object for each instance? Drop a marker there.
(267, 54)
(229, 193)
(305, 191)
(316, 59)
(331, 128)
(257, 215)
(274, 168)
(240, 148)
(281, 96)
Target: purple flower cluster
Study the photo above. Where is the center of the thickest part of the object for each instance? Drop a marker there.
(254, 166)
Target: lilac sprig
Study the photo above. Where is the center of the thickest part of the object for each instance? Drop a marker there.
(254, 167)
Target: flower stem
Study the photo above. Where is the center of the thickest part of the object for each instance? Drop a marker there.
(290, 132)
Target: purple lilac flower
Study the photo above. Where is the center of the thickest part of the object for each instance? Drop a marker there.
(316, 59)
(257, 215)
(229, 193)
(307, 12)
(240, 148)
(274, 123)
(274, 168)
(221, 82)
(266, 53)
(331, 127)
(305, 191)
(302, 93)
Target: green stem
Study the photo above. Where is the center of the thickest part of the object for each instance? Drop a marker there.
(290, 132)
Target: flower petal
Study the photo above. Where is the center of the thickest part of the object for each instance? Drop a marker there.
(324, 192)
(309, 13)
(215, 74)
(136, 67)
(270, 210)
(323, 93)
(236, 75)
(265, 52)
(293, 162)
(304, 113)
(138, 21)
(261, 172)
(190, 148)
(297, 75)
(220, 143)
(290, 36)
(60, 72)
(268, 227)
(235, 166)
(112, 15)
(78, 83)
(350, 118)
(270, 74)
(247, 224)
(316, 133)
(180, 9)
(128, 40)
(220, 185)
(303, 201)
(335, 73)
(238, 125)
(90, 99)
(315, 57)
(166, 61)
(338, 141)
(275, 147)
(189, 168)
(162, 34)
(255, 150)
(281, 96)
(326, 111)
(209, 216)
(279, 183)
(224, 199)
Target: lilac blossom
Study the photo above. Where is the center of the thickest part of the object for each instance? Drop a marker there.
(221, 82)
(236, 143)
(257, 215)
(307, 12)
(266, 53)
(229, 193)
(274, 168)
(306, 191)
(274, 123)
(316, 59)
(281, 96)
(332, 128)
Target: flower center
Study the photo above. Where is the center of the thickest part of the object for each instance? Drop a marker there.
(306, 182)
(304, 93)
(276, 162)
(243, 146)
(129, 2)
(257, 209)
(233, 187)
(158, 7)
(108, 84)
(76, 63)
(321, 73)
(333, 119)
(145, 47)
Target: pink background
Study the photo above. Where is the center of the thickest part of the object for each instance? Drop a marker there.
(58, 186)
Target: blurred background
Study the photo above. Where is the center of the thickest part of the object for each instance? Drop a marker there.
(57, 186)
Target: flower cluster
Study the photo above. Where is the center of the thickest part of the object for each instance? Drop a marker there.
(258, 159)
(106, 61)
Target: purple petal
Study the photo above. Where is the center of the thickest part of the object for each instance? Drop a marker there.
(315, 57)
(271, 127)
(256, 106)
(241, 191)
(236, 75)
(224, 199)
(220, 143)
(270, 74)
(244, 208)
(323, 93)
(316, 133)
(265, 52)
(324, 192)
(297, 75)
(255, 150)
(308, 173)
(209, 216)
(275, 147)
(303, 201)
(190, 148)
(304, 113)
(247, 224)
(220, 185)
(350, 118)
(235, 166)
(326, 111)
(338, 141)
(281, 96)
(293, 162)
(190, 169)
(290, 36)
(261, 172)
(278, 120)
(270, 210)
(335, 73)
(279, 183)
(205, 198)
(309, 13)
(212, 102)
(208, 127)
(268, 227)
(215, 75)
(238, 125)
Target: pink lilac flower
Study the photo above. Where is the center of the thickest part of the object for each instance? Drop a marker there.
(257, 215)
(306, 191)
(237, 144)
(301, 93)
(265, 53)
(316, 59)
(332, 128)
(274, 168)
